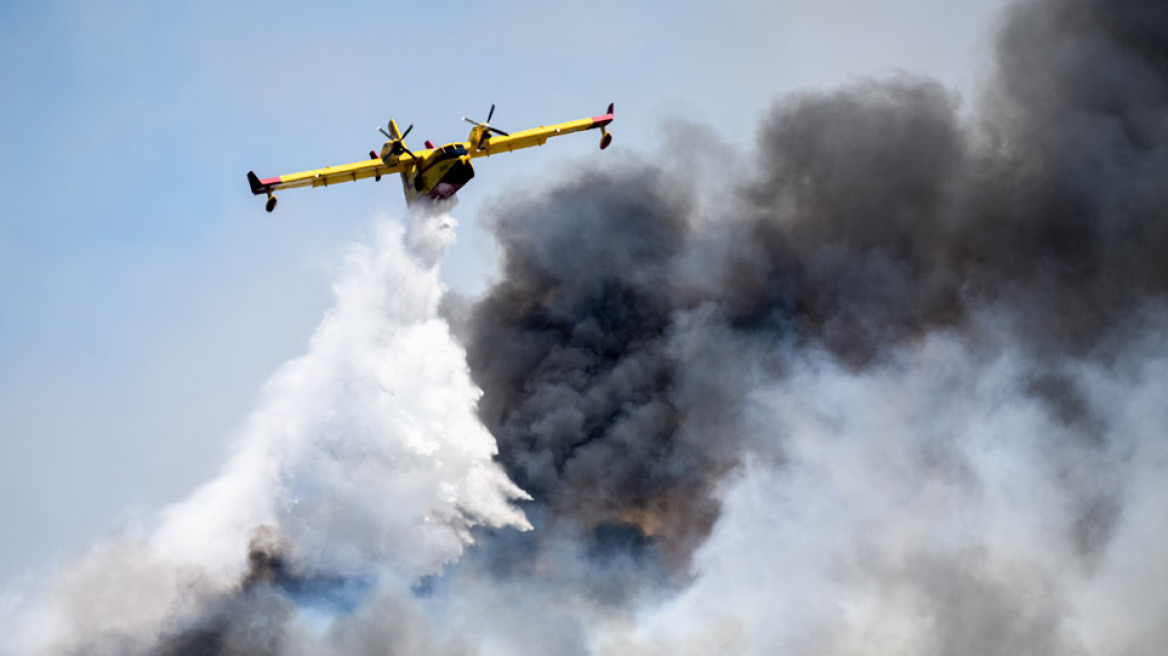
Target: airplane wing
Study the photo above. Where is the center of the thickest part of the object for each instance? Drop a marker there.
(538, 136)
(329, 175)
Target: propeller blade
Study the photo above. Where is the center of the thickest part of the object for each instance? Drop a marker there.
(407, 131)
(411, 153)
(498, 131)
(470, 121)
(491, 113)
(382, 131)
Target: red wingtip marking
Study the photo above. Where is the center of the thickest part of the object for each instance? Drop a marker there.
(270, 181)
(604, 119)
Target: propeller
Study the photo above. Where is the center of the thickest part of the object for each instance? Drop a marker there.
(487, 123)
(398, 145)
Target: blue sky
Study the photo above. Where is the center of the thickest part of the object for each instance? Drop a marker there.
(144, 294)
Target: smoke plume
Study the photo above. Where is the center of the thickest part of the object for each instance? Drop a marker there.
(964, 295)
(894, 383)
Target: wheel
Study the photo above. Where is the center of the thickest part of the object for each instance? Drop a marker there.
(605, 140)
(271, 204)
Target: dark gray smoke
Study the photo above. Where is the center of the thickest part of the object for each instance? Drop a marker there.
(258, 619)
(626, 333)
(574, 348)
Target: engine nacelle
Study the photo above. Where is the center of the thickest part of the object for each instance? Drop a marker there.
(478, 137)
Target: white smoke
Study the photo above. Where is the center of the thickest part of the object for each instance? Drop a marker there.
(365, 457)
(925, 507)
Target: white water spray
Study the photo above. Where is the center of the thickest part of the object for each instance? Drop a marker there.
(364, 454)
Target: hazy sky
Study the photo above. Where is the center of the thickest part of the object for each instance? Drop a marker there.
(144, 293)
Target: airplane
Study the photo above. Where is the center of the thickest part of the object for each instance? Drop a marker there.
(435, 173)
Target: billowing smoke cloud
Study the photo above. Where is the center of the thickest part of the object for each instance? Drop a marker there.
(927, 276)
(899, 387)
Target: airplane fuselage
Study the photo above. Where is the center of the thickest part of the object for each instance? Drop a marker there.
(442, 173)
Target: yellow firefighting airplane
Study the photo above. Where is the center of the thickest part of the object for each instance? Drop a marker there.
(434, 173)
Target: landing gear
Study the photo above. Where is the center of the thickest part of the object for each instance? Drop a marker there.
(271, 204)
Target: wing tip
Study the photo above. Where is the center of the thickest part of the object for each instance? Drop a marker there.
(253, 181)
(604, 119)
